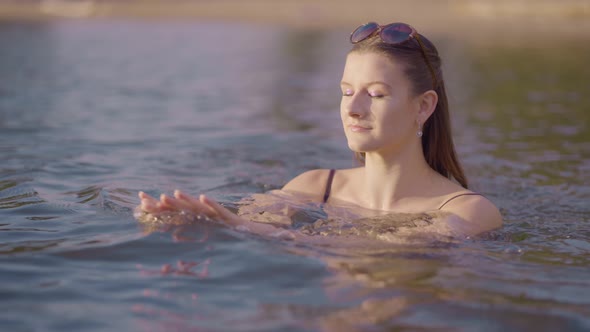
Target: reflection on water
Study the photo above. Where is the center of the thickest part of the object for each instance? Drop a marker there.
(92, 112)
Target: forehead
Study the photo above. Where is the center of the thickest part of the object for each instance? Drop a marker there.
(370, 66)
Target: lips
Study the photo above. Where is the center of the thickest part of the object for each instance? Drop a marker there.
(358, 128)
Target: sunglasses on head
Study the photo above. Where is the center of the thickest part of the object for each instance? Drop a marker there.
(394, 33)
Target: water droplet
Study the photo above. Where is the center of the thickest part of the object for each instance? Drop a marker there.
(513, 250)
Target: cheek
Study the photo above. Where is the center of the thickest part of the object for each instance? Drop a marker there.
(343, 108)
(344, 103)
(394, 116)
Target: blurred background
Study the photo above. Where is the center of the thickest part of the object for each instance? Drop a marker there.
(456, 16)
(320, 12)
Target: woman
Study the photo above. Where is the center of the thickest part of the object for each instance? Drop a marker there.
(395, 116)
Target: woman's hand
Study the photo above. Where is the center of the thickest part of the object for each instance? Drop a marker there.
(183, 203)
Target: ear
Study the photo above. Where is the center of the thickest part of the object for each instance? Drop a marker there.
(426, 103)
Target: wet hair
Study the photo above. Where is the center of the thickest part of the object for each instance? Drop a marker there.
(437, 141)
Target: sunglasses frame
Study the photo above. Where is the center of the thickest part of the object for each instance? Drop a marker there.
(412, 35)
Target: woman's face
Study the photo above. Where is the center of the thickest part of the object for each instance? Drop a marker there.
(378, 108)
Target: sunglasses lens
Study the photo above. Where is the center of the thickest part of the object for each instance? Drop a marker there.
(362, 32)
(396, 33)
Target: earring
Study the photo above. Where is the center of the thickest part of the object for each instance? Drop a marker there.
(419, 133)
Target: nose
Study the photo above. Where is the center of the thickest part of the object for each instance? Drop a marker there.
(356, 106)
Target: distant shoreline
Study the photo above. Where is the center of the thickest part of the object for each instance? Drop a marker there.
(508, 17)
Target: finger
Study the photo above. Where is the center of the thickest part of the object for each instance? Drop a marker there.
(186, 201)
(148, 206)
(181, 195)
(145, 196)
(220, 210)
(195, 205)
(147, 200)
(148, 203)
(167, 202)
(176, 204)
(162, 205)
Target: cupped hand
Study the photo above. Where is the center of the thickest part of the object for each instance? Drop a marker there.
(184, 203)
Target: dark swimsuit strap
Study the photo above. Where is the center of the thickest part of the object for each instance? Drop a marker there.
(459, 195)
(329, 185)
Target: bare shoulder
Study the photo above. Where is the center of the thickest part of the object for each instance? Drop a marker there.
(479, 212)
(312, 182)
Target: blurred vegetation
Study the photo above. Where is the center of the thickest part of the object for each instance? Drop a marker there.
(533, 104)
(298, 11)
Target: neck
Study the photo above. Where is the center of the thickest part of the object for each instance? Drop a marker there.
(391, 177)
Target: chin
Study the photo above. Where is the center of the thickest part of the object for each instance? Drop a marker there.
(358, 147)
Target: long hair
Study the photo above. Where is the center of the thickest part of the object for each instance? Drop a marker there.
(437, 141)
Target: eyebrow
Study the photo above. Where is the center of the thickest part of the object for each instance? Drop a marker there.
(368, 84)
